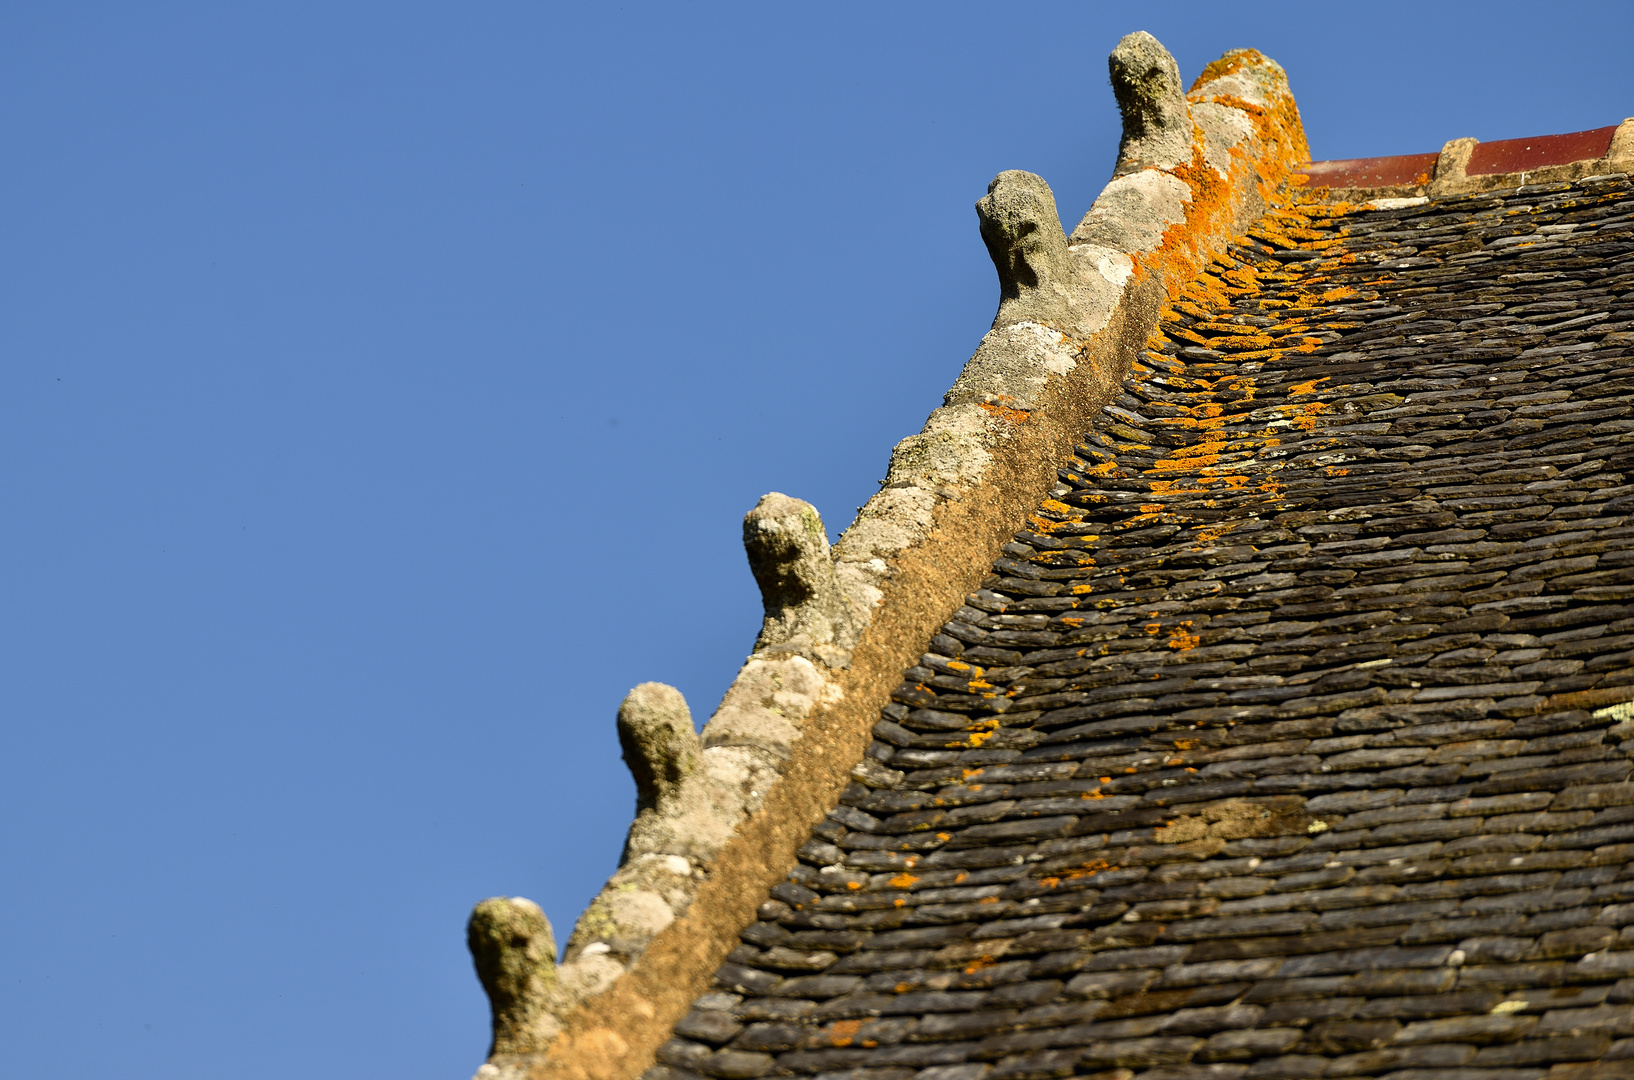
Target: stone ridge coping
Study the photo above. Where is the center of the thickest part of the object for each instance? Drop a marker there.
(1195, 169)
(1466, 166)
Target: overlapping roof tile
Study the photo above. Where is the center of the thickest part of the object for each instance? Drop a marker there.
(1291, 736)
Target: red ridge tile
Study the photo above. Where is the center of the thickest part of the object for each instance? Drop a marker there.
(1372, 172)
(1522, 155)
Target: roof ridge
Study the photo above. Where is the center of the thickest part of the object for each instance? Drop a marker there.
(721, 817)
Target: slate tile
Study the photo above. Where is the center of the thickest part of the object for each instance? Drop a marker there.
(1467, 870)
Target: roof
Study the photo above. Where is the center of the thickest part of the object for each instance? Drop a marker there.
(1231, 680)
(1288, 739)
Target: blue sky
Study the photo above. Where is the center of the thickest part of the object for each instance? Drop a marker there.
(381, 388)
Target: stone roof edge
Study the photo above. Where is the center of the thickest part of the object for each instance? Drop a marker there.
(1449, 177)
(720, 816)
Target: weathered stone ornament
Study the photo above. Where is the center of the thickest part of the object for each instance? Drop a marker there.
(790, 558)
(515, 956)
(1157, 128)
(660, 745)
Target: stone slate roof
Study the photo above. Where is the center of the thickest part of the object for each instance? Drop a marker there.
(1289, 739)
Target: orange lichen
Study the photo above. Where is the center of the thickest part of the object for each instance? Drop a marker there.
(1003, 412)
(1088, 869)
(841, 1032)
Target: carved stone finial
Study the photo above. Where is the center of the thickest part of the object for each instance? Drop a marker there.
(515, 956)
(788, 554)
(659, 743)
(1157, 130)
(1023, 234)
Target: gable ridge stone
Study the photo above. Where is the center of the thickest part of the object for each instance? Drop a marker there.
(841, 625)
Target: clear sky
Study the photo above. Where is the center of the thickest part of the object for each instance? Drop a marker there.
(381, 388)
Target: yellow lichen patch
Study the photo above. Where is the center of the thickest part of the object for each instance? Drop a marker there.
(842, 1032)
(1173, 487)
(1088, 869)
(1003, 412)
(1227, 328)
(1204, 422)
(1311, 412)
(1300, 389)
(1181, 638)
(903, 881)
(1209, 534)
(1243, 344)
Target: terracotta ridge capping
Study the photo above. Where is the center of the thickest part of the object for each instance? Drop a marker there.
(720, 816)
(1467, 166)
